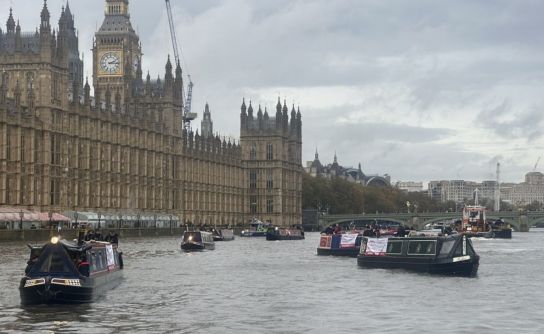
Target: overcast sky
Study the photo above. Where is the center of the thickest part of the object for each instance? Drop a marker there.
(421, 89)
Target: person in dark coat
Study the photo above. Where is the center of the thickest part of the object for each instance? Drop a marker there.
(112, 238)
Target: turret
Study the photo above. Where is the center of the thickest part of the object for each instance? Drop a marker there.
(168, 78)
(279, 122)
(293, 124)
(148, 84)
(285, 117)
(87, 90)
(178, 84)
(250, 111)
(18, 41)
(260, 117)
(45, 27)
(243, 115)
(10, 25)
(299, 124)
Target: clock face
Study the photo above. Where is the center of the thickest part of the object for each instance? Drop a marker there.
(110, 63)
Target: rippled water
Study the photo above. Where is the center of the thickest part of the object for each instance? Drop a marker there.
(259, 286)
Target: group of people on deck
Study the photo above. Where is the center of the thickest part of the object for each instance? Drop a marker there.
(111, 237)
(370, 230)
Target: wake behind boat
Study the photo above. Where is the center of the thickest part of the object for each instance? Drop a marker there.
(64, 272)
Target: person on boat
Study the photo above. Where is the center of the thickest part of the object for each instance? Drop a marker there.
(112, 238)
(329, 230)
(30, 263)
(98, 235)
(89, 236)
(337, 229)
(401, 232)
(83, 266)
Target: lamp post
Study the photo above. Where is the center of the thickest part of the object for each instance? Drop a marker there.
(21, 215)
(76, 215)
(138, 220)
(170, 217)
(155, 219)
(99, 216)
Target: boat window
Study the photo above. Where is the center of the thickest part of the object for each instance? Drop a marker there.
(459, 249)
(54, 262)
(447, 246)
(422, 247)
(394, 247)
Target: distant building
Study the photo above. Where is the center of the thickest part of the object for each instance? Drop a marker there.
(409, 186)
(355, 175)
(461, 191)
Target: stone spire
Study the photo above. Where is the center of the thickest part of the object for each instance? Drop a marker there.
(243, 108)
(250, 110)
(87, 92)
(45, 16)
(10, 25)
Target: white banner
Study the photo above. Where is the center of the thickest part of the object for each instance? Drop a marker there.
(109, 256)
(376, 246)
(348, 240)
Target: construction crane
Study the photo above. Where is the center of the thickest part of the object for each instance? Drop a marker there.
(187, 116)
(536, 164)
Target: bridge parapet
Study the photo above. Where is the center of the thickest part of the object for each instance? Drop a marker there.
(520, 221)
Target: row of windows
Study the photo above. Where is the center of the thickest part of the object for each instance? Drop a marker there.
(253, 179)
(253, 204)
(269, 152)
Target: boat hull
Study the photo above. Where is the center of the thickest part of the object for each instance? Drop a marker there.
(502, 234)
(250, 234)
(465, 268)
(275, 237)
(196, 246)
(348, 252)
(50, 293)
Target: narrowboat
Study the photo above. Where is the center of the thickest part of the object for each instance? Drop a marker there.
(256, 228)
(345, 244)
(475, 224)
(223, 234)
(197, 241)
(440, 254)
(64, 272)
(282, 233)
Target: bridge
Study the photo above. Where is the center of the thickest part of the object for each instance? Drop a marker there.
(521, 221)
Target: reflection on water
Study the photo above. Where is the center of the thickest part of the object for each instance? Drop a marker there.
(259, 286)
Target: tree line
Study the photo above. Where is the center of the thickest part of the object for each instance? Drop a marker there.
(338, 196)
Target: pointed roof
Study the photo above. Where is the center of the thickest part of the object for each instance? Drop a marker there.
(11, 22)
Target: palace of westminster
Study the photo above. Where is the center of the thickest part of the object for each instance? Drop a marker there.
(126, 149)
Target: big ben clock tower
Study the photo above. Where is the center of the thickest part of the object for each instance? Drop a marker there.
(116, 54)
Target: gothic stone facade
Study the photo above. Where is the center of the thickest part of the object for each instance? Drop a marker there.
(125, 149)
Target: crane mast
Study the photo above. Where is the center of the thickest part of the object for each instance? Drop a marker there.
(187, 115)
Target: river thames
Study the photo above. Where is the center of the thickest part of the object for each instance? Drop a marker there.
(259, 286)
